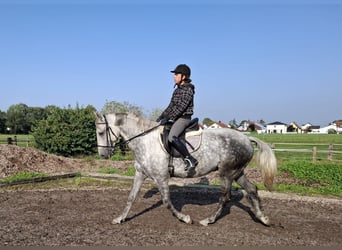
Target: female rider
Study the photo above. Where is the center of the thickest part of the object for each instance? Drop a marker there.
(179, 112)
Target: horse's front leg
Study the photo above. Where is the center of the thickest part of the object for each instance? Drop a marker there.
(137, 182)
(165, 194)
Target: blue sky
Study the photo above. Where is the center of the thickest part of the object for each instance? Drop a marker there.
(270, 60)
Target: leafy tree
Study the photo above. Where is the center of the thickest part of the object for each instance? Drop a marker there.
(117, 107)
(262, 122)
(17, 119)
(332, 131)
(155, 113)
(34, 115)
(233, 124)
(251, 127)
(207, 122)
(67, 132)
(3, 122)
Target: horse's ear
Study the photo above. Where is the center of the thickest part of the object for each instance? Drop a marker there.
(98, 115)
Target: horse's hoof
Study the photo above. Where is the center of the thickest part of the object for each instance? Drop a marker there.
(117, 221)
(265, 220)
(204, 222)
(187, 219)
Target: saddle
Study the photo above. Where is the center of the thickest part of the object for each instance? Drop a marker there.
(191, 137)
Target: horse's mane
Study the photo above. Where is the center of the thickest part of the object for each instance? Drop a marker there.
(140, 120)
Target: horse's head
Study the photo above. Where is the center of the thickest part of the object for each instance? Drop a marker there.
(107, 134)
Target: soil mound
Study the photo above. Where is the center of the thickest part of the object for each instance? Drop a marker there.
(14, 159)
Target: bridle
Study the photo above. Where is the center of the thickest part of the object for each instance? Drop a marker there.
(111, 144)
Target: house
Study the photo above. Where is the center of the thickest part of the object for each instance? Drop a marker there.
(250, 126)
(218, 124)
(336, 126)
(306, 127)
(259, 128)
(294, 128)
(244, 126)
(276, 128)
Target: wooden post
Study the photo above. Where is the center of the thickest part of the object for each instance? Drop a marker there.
(330, 152)
(9, 140)
(314, 154)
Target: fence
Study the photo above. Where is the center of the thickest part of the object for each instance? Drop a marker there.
(14, 140)
(305, 151)
(284, 150)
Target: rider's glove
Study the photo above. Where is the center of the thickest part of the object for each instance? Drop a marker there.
(163, 121)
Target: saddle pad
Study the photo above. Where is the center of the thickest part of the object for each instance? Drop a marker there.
(194, 140)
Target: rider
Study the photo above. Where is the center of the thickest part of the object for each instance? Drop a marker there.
(179, 112)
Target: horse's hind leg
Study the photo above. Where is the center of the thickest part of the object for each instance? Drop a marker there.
(137, 182)
(226, 184)
(253, 197)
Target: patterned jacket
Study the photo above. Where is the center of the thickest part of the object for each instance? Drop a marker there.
(181, 104)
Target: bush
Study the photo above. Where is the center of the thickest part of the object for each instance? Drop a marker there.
(332, 131)
(67, 132)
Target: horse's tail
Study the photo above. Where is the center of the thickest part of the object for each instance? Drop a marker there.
(267, 161)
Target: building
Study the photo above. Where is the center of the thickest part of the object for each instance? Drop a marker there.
(218, 124)
(294, 128)
(276, 128)
(334, 126)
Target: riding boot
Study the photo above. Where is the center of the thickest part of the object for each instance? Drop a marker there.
(190, 162)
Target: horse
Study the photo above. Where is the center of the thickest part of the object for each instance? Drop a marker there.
(224, 150)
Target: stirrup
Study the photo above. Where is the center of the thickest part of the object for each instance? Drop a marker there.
(190, 163)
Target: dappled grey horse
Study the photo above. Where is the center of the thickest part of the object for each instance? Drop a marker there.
(224, 150)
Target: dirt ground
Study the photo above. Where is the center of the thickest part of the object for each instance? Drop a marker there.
(82, 217)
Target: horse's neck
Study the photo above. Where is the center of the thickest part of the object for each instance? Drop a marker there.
(135, 126)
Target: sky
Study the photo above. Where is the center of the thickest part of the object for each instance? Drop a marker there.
(249, 60)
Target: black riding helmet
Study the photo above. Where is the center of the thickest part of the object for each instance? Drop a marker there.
(182, 69)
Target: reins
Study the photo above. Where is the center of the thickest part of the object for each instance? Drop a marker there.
(136, 136)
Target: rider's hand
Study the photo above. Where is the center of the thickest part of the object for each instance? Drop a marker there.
(163, 121)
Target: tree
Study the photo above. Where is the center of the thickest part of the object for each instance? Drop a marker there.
(17, 119)
(233, 124)
(67, 132)
(155, 113)
(262, 122)
(125, 107)
(251, 127)
(332, 131)
(34, 115)
(3, 118)
(207, 122)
